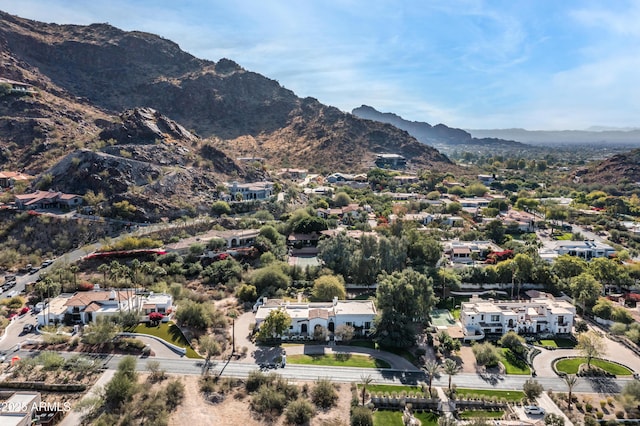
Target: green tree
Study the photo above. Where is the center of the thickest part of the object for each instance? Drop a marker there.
(342, 199)
(209, 346)
(218, 208)
(585, 289)
(194, 314)
(514, 342)
(402, 297)
(276, 323)
(591, 346)
(532, 389)
(247, 293)
(423, 251)
(270, 278)
(603, 308)
(326, 287)
(567, 267)
(486, 354)
(495, 231)
(337, 253)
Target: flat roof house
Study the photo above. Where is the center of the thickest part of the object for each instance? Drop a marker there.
(587, 249)
(539, 315)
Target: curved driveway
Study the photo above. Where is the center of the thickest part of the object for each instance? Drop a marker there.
(615, 352)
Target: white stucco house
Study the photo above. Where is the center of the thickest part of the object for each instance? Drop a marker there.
(587, 249)
(87, 307)
(540, 315)
(305, 317)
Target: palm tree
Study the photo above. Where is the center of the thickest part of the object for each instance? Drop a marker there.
(74, 270)
(431, 367)
(451, 368)
(571, 380)
(104, 268)
(366, 381)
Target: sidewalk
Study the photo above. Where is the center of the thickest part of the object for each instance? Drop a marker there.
(73, 418)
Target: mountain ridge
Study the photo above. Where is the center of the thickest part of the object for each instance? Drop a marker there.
(440, 134)
(241, 112)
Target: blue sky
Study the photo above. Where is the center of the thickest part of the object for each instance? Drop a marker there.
(535, 64)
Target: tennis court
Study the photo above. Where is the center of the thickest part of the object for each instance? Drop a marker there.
(441, 318)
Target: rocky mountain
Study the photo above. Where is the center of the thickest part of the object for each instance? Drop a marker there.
(98, 71)
(437, 135)
(619, 168)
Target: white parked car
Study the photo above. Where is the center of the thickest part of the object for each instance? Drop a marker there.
(533, 409)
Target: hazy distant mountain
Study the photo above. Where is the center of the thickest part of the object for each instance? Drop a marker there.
(439, 134)
(595, 135)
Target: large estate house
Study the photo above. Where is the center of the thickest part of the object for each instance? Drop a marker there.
(307, 317)
(89, 306)
(538, 315)
(250, 191)
(587, 249)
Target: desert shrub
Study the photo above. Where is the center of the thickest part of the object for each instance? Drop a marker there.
(361, 416)
(257, 379)
(299, 412)
(55, 339)
(324, 394)
(268, 400)
(130, 343)
(174, 394)
(619, 414)
(50, 360)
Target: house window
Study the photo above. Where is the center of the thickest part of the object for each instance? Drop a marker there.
(290, 327)
(495, 318)
(481, 318)
(349, 323)
(161, 310)
(367, 325)
(561, 319)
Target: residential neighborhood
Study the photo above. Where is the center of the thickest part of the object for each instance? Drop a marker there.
(186, 241)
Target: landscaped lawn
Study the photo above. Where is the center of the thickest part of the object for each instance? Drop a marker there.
(339, 360)
(397, 351)
(557, 342)
(481, 414)
(170, 332)
(512, 364)
(387, 418)
(509, 395)
(427, 418)
(571, 365)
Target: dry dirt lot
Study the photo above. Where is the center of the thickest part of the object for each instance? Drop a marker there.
(195, 411)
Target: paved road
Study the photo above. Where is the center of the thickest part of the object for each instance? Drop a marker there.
(186, 366)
